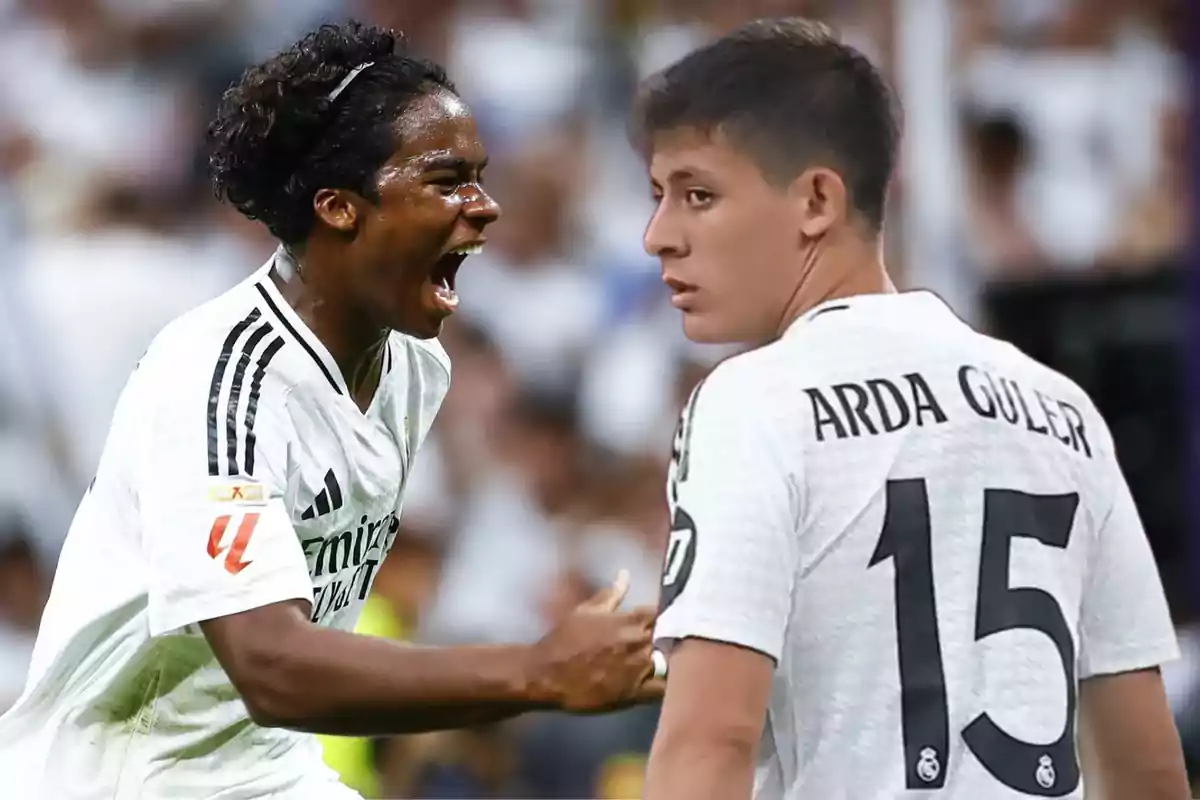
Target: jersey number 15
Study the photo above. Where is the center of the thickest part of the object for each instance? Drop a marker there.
(1049, 770)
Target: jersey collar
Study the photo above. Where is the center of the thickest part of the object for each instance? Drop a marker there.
(283, 311)
(877, 303)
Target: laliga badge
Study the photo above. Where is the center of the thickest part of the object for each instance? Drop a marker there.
(251, 494)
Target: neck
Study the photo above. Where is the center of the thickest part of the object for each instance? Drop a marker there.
(355, 346)
(833, 269)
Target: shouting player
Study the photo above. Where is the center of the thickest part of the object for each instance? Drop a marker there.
(198, 629)
(902, 553)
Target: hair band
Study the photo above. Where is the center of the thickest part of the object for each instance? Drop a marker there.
(346, 81)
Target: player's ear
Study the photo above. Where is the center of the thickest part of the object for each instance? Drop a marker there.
(821, 197)
(335, 208)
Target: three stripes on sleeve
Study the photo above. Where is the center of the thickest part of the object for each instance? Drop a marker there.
(226, 409)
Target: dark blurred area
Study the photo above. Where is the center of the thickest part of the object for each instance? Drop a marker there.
(1043, 193)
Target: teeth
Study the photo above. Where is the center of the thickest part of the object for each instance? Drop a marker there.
(468, 250)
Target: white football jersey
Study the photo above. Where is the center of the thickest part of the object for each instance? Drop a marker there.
(928, 532)
(239, 472)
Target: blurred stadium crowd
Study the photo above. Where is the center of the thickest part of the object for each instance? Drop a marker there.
(1042, 192)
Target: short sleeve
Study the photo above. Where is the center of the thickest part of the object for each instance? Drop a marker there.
(210, 479)
(1125, 623)
(730, 564)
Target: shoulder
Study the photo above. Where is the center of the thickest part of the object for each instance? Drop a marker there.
(1037, 372)
(743, 385)
(231, 339)
(1065, 393)
(214, 389)
(735, 405)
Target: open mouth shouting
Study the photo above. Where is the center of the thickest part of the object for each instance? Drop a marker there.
(441, 278)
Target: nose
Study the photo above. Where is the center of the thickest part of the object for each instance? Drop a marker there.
(662, 238)
(481, 208)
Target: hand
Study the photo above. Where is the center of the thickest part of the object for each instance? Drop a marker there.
(598, 659)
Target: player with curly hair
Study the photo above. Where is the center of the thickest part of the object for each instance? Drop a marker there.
(199, 629)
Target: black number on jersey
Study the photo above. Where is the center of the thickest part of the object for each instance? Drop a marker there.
(1049, 770)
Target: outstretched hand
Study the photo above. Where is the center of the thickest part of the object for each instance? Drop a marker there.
(598, 658)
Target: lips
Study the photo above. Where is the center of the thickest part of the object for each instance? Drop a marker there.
(682, 294)
(677, 286)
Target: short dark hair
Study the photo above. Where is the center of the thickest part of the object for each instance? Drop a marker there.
(787, 92)
(278, 138)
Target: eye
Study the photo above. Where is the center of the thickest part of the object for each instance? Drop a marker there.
(699, 199)
(447, 184)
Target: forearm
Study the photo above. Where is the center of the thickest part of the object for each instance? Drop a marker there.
(293, 674)
(328, 681)
(1129, 744)
(693, 768)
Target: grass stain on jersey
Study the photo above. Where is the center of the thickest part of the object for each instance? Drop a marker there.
(150, 675)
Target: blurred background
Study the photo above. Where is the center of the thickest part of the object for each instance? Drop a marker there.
(1043, 193)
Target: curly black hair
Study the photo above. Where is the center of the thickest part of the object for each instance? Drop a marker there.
(277, 138)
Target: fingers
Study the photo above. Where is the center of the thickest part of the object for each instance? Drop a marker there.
(617, 592)
(646, 615)
(646, 687)
(608, 600)
(640, 622)
(652, 690)
(637, 624)
(650, 687)
(653, 666)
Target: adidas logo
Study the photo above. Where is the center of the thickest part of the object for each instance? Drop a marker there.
(328, 499)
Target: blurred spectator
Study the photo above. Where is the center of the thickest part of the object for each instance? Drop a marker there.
(1156, 225)
(1088, 81)
(1000, 242)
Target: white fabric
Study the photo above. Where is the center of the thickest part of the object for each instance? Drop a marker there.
(297, 497)
(779, 545)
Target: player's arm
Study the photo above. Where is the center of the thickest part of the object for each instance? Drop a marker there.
(711, 723)
(220, 553)
(727, 594)
(1125, 634)
(1133, 742)
(297, 675)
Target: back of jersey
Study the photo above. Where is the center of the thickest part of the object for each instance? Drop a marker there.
(963, 551)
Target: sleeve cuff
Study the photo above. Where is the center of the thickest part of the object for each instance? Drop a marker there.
(725, 631)
(180, 609)
(1112, 661)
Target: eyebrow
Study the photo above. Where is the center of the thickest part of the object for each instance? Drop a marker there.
(685, 174)
(436, 162)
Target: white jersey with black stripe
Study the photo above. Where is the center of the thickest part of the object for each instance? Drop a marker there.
(238, 472)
